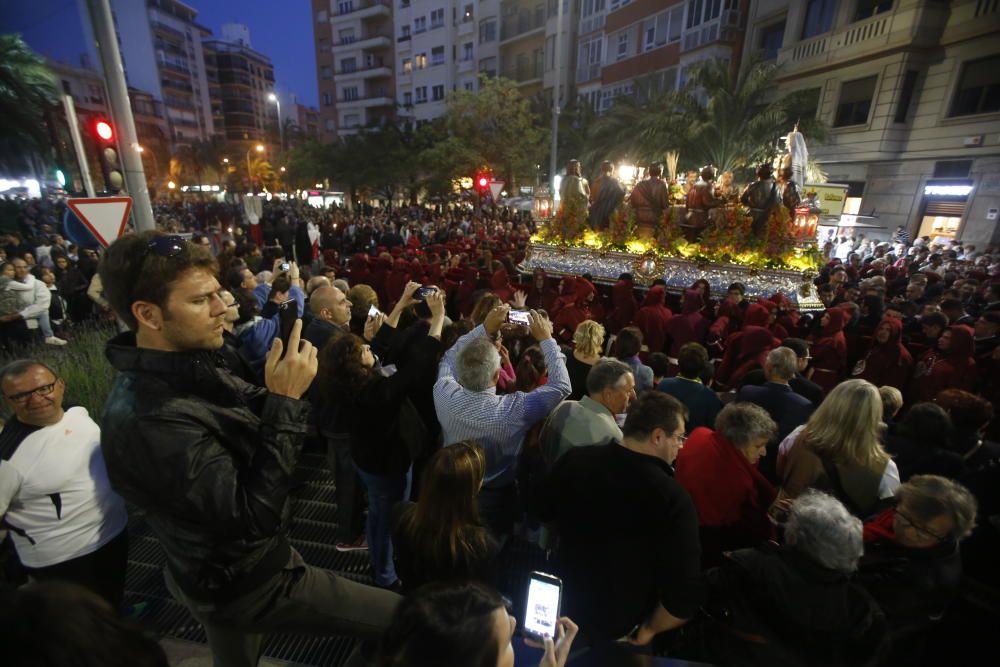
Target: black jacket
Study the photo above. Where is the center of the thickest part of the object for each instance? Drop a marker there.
(209, 458)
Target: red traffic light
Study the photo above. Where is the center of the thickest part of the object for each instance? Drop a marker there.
(483, 181)
(104, 130)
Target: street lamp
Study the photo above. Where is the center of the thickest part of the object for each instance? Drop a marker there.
(260, 149)
(152, 158)
(281, 130)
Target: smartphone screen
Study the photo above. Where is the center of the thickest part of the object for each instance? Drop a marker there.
(542, 610)
(422, 292)
(373, 311)
(288, 312)
(518, 317)
(285, 266)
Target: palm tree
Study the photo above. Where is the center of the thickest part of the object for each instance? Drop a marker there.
(27, 90)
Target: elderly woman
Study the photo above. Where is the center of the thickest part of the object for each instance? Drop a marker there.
(719, 469)
(795, 604)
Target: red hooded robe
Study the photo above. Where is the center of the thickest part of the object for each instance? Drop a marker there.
(652, 319)
(888, 363)
(829, 352)
(952, 369)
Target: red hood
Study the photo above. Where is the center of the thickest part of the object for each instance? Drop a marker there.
(582, 288)
(655, 297)
(756, 315)
(359, 261)
(963, 342)
(568, 286)
(895, 332)
(693, 302)
(500, 280)
(622, 293)
(838, 320)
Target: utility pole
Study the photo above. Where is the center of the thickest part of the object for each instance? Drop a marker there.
(121, 113)
(81, 154)
(555, 98)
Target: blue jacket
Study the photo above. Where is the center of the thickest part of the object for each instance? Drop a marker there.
(788, 409)
(256, 338)
(702, 403)
(263, 291)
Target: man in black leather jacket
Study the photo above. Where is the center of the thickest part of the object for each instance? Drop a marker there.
(209, 458)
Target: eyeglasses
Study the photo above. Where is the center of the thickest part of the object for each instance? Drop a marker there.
(24, 396)
(170, 245)
(920, 529)
(679, 438)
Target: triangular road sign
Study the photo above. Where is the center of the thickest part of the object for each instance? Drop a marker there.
(496, 187)
(105, 217)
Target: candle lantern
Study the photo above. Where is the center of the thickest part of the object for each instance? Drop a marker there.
(541, 209)
(806, 220)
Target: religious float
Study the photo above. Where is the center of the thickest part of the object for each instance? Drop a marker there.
(770, 251)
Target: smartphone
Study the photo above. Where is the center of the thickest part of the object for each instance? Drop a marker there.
(373, 311)
(518, 317)
(288, 312)
(285, 266)
(422, 292)
(542, 609)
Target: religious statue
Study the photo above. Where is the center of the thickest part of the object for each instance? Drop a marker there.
(790, 197)
(690, 179)
(650, 197)
(725, 189)
(605, 197)
(798, 154)
(700, 200)
(574, 187)
(761, 197)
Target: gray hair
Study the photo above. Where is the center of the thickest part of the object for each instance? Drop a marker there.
(342, 285)
(19, 367)
(606, 374)
(781, 363)
(263, 277)
(476, 364)
(745, 423)
(929, 496)
(821, 527)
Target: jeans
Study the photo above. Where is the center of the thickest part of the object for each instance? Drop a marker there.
(384, 491)
(301, 599)
(45, 324)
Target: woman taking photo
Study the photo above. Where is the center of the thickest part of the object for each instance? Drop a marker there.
(839, 451)
(588, 340)
(386, 432)
(440, 538)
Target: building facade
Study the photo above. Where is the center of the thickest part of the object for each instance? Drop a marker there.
(241, 81)
(910, 90)
(161, 48)
(354, 56)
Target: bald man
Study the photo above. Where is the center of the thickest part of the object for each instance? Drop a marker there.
(331, 315)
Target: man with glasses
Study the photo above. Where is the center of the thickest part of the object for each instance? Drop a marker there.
(912, 565)
(210, 458)
(628, 553)
(55, 499)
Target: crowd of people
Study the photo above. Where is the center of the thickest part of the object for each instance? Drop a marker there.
(712, 476)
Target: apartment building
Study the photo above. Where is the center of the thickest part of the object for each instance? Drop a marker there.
(240, 82)
(910, 90)
(161, 48)
(441, 47)
(528, 46)
(354, 56)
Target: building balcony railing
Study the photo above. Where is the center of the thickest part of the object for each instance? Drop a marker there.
(173, 84)
(175, 67)
(370, 40)
(374, 72)
(170, 47)
(363, 9)
(518, 27)
(167, 30)
(524, 74)
(586, 73)
(466, 65)
(378, 99)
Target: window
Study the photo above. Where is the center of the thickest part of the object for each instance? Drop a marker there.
(327, 99)
(346, 35)
(855, 102)
(407, 65)
(348, 65)
(323, 44)
(467, 14)
(978, 89)
(420, 60)
(408, 99)
(702, 11)
(404, 32)
(420, 24)
(819, 17)
(437, 56)
(321, 16)
(467, 51)
(488, 66)
(468, 85)
(487, 30)
(437, 93)
(421, 94)
(325, 72)
(906, 95)
(350, 93)
(352, 120)
(330, 125)
(771, 38)
(868, 8)
(437, 18)
(622, 42)
(345, 6)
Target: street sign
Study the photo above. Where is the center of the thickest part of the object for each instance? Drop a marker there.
(105, 217)
(496, 187)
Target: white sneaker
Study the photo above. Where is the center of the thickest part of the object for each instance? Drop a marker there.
(53, 340)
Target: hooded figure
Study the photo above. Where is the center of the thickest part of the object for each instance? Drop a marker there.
(690, 326)
(567, 295)
(541, 294)
(888, 362)
(570, 317)
(500, 284)
(653, 317)
(829, 352)
(396, 281)
(623, 305)
(747, 353)
(465, 294)
(952, 365)
(358, 270)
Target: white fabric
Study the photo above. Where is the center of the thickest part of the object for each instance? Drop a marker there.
(800, 156)
(890, 478)
(63, 459)
(34, 298)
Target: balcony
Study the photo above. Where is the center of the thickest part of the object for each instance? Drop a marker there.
(586, 73)
(863, 39)
(466, 65)
(364, 9)
(525, 74)
(175, 67)
(521, 27)
(374, 72)
(173, 84)
(379, 99)
(371, 40)
(726, 29)
(466, 28)
(166, 30)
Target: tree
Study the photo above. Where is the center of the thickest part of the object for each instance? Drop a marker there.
(28, 91)
(727, 117)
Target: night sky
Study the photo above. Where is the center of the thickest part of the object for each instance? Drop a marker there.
(281, 30)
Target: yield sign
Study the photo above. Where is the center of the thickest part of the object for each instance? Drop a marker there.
(496, 187)
(105, 217)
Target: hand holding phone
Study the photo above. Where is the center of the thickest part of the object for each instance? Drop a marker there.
(288, 314)
(520, 317)
(422, 292)
(541, 612)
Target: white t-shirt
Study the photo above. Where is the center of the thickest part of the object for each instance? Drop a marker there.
(55, 496)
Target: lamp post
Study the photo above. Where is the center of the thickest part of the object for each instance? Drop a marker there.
(281, 130)
(260, 149)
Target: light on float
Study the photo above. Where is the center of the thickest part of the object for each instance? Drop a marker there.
(626, 172)
(806, 221)
(171, 185)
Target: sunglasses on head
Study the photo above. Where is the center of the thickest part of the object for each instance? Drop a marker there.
(169, 245)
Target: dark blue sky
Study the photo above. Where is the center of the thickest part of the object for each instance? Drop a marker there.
(280, 29)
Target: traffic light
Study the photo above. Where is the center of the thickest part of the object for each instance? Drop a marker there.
(111, 161)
